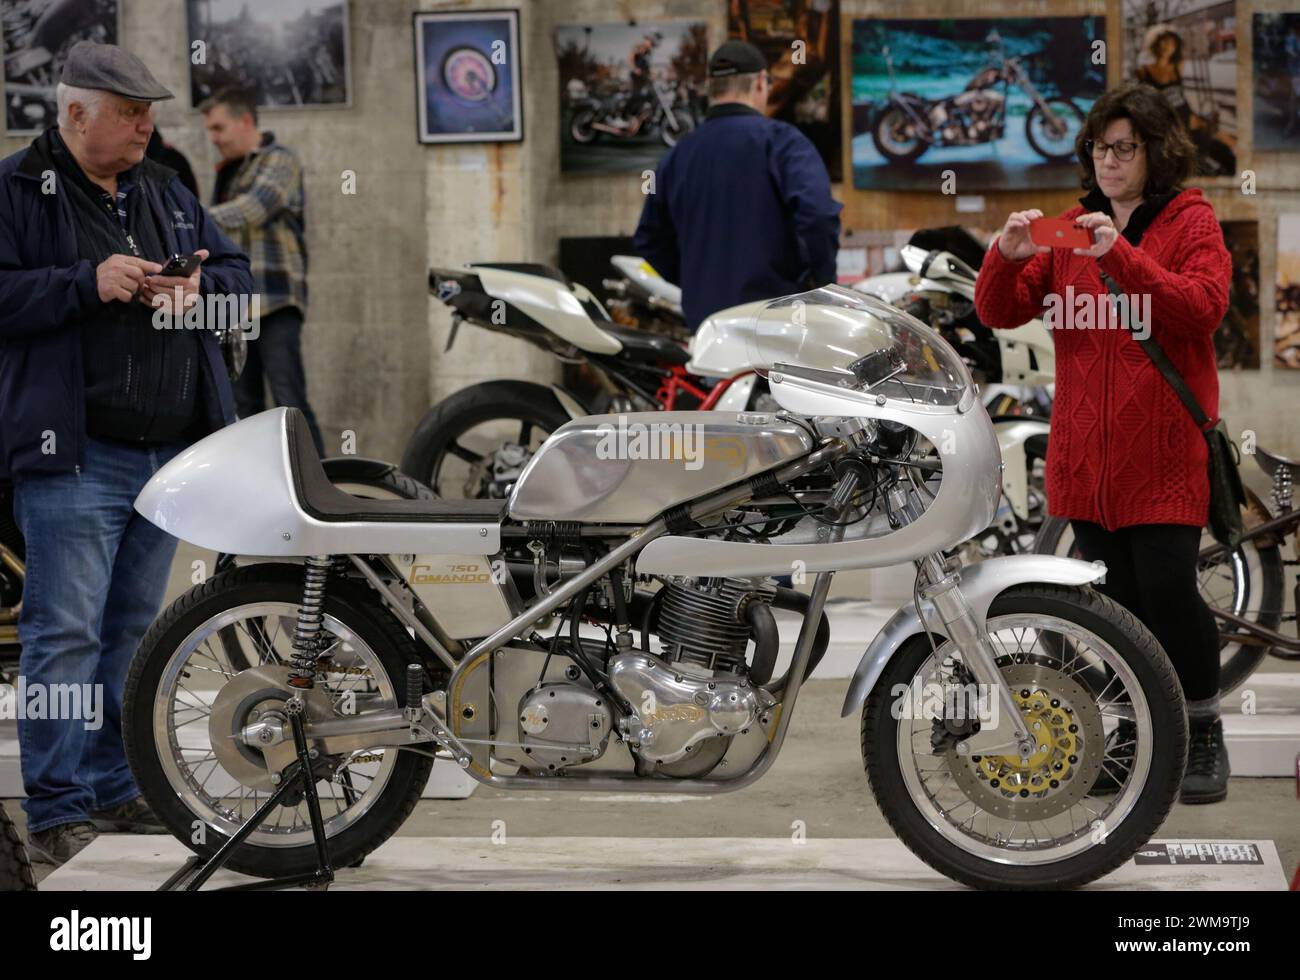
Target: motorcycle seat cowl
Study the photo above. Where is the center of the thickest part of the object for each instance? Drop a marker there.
(326, 502)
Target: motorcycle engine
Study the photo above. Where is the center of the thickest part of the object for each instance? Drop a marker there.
(689, 701)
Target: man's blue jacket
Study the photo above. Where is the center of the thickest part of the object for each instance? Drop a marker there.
(741, 210)
(48, 295)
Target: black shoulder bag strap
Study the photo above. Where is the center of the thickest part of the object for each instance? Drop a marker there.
(1227, 494)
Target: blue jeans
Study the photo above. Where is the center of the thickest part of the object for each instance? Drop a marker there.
(96, 577)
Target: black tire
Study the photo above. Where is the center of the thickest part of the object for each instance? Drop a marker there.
(1155, 675)
(580, 130)
(15, 868)
(888, 120)
(1237, 660)
(437, 434)
(1062, 107)
(351, 604)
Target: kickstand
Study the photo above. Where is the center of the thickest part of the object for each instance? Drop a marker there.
(196, 870)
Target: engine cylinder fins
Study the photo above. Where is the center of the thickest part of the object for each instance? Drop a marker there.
(703, 622)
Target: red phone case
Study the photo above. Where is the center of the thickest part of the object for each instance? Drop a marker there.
(1059, 233)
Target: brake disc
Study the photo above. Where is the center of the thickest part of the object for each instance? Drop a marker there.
(1066, 724)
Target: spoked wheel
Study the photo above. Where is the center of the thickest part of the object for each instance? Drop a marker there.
(1077, 665)
(192, 722)
(1246, 582)
(475, 443)
(1054, 140)
(894, 135)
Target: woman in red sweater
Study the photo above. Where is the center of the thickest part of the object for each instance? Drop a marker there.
(1126, 463)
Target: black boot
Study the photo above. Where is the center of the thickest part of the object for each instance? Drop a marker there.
(1121, 746)
(1206, 778)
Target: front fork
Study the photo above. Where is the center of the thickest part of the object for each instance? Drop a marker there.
(942, 590)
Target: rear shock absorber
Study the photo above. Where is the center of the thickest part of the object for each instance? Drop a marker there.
(311, 617)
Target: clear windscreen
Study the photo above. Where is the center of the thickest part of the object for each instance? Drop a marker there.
(854, 340)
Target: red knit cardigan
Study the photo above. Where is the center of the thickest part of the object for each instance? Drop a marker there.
(1123, 448)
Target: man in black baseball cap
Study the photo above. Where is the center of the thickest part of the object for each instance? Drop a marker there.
(101, 383)
(741, 209)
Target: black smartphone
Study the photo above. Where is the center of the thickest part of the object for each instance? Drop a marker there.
(181, 266)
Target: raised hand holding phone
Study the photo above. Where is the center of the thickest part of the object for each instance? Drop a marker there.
(1104, 233)
(1014, 242)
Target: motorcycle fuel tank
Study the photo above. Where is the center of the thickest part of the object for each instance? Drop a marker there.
(628, 469)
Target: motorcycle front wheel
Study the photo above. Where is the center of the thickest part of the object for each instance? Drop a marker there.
(186, 709)
(1246, 582)
(1049, 141)
(893, 137)
(1077, 664)
(674, 126)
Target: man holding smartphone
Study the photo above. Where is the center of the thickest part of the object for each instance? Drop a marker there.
(94, 399)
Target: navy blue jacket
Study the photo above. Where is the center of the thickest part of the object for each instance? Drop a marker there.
(741, 210)
(46, 293)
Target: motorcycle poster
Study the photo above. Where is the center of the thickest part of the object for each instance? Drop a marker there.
(805, 77)
(1276, 57)
(993, 103)
(628, 92)
(1187, 49)
(37, 37)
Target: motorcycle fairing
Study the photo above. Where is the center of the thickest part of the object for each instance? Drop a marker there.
(980, 585)
(553, 304)
(205, 496)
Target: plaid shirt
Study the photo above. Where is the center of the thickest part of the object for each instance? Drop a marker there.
(262, 210)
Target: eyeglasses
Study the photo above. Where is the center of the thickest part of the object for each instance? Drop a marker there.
(1124, 149)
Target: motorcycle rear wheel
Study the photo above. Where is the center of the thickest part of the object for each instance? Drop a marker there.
(1097, 839)
(179, 654)
(887, 135)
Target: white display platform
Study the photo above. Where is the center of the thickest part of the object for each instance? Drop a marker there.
(134, 863)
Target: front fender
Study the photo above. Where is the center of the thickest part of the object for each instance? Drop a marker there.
(980, 584)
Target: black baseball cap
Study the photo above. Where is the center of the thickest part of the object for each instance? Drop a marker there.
(736, 58)
(108, 68)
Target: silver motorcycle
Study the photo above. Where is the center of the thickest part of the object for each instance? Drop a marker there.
(609, 626)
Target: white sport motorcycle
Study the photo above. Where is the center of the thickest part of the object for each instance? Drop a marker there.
(382, 634)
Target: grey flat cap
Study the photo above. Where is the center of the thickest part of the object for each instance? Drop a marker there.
(108, 68)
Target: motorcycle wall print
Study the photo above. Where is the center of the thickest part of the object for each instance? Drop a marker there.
(997, 102)
(609, 626)
(628, 92)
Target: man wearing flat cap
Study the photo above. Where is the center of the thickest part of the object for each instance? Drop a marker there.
(742, 207)
(97, 391)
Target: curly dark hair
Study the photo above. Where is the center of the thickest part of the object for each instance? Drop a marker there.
(1171, 155)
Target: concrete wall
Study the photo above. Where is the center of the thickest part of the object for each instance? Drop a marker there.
(374, 340)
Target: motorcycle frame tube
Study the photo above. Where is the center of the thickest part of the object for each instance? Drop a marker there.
(965, 505)
(980, 585)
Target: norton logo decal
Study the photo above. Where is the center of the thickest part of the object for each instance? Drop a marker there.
(454, 575)
(676, 712)
(668, 441)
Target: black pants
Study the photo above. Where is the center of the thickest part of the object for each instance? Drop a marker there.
(275, 357)
(1151, 571)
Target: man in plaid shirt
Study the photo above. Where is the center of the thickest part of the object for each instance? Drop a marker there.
(258, 201)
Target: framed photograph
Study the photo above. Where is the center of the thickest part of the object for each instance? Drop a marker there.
(37, 37)
(1236, 342)
(1188, 50)
(1276, 53)
(801, 41)
(628, 92)
(467, 69)
(292, 54)
(1286, 336)
(996, 102)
